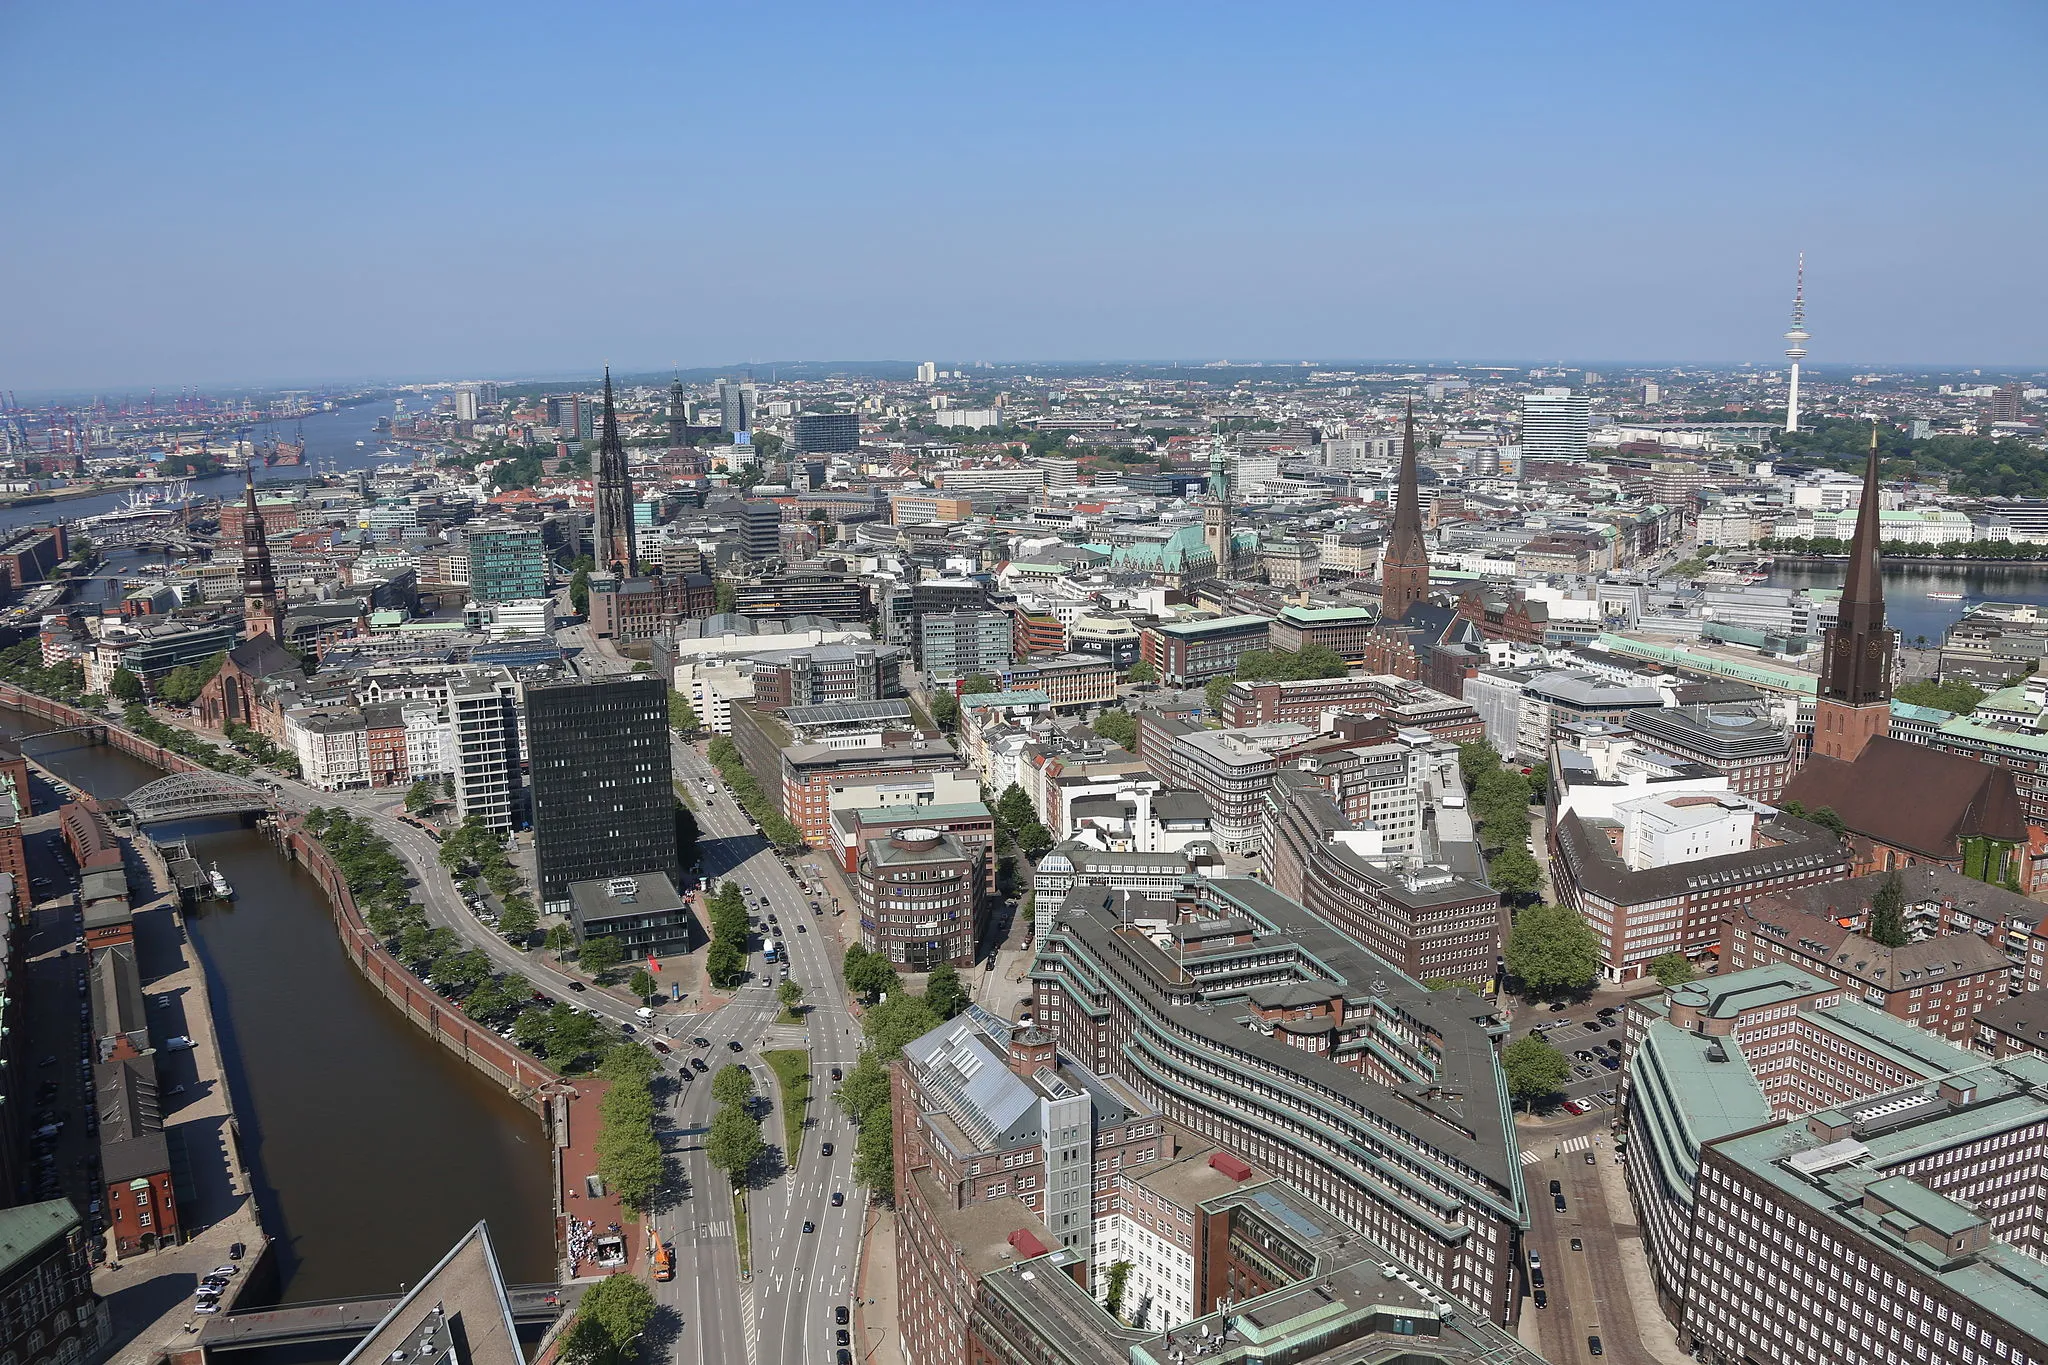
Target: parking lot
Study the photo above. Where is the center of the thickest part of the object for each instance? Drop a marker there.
(1590, 1038)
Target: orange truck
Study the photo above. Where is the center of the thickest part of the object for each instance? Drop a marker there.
(664, 1261)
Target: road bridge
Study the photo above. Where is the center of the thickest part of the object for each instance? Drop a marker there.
(353, 1319)
(200, 795)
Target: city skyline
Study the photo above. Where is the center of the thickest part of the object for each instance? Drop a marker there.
(217, 198)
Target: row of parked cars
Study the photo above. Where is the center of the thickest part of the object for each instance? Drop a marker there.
(207, 1298)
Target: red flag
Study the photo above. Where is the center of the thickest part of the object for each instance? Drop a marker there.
(652, 965)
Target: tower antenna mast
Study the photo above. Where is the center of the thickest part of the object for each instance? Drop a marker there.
(1796, 350)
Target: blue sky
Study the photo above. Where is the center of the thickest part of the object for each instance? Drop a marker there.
(268, 192)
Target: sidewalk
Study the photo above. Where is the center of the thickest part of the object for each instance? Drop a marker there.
(874, 1296)
(1654, 1331)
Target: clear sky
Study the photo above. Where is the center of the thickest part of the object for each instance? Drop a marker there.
(265, 192)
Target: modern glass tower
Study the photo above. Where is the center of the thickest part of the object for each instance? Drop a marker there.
(603, 805)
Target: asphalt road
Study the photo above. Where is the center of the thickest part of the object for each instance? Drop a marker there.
(798, 1277)
(1588, 1292)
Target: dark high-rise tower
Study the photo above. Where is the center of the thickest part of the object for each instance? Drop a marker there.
(260, 612)
(1854, 701)
(1404, 567)
(613, 531)
(602, 804)
(679, 416)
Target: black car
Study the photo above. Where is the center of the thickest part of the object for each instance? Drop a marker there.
(733, 1045)
(845, 1357)
(697, 1064)
(838, 1199)
(825, 1150)
(1536, 1277)
(839, 1315)
(700, 1042)
(1543, 1298)
(835, 1073)
(661, 1047)
(1558, 1200)
(578, 986)
(1594, 1348)
(237, 1252)
(809, 1226)
(1557, 1187)
(845, 1338)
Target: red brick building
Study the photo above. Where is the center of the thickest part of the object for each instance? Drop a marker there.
(1939, 984)
(1959, 809)
(135, 1159)
(1403, 703)
(384, 737)
(89, 837)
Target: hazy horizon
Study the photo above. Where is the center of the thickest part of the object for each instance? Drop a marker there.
(269, 196)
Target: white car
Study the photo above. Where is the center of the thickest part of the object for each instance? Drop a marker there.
(225, 1270)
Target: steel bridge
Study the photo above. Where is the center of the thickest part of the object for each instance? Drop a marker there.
(196, 796)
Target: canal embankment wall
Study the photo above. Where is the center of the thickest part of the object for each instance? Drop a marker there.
(496, 1057)
(526, 1079)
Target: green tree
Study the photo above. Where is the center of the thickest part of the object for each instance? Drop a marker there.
(1476, 758)
(422, 795)
(1533, 1067)
(519, 919)
(1514, 873)
(681, 715)
(790, 995)
(643, 983)
(1888, 912)
(1671, 969)
(874, 1159)
(1118, 727)
(1550, 949)
(1033, 840)
(1955, 695)
(1826, 818)
(977, 684)
(1113, 1289)
(1212, 696)
(1014, 808)
(1141, 672)
(609, 1321)
(579, 592)
(733, 1084)
(869, 975)
(726, 964)
(599, 955)
(902, 1018)
(865, 1088)
(943, 991)
(734, 1145)
(560, 939)
(125, 686)
(945, 710)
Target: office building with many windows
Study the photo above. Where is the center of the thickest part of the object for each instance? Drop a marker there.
(507, 564)
(603, 804)
(1556, 425)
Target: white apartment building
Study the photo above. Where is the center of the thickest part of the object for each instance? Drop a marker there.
(484, 721)
(332, 748)
(429, 740)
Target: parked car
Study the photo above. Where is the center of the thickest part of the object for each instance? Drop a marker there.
(839, 1314)
(1543, 1298)
(1594, 1348)
(180, 1043)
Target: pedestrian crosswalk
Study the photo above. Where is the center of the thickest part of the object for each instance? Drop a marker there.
(1530, 1155)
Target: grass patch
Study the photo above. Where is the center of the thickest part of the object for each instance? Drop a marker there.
(793, 1078)
(740, 1231)
(685, 795)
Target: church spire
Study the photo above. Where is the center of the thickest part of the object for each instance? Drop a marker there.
(260, 614)
(1853, 703)
(612, 533)
(1404, 567)
(1216, 532)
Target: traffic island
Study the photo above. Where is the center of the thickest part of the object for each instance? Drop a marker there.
(792, 1068)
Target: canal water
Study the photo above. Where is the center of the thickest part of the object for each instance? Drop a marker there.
(1907, 607)
(371, 1148)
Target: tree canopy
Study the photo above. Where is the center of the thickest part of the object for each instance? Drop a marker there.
(1118, 727)
(1534, 1069)
(1550, 949)
(1672, 969)
(1955, 695)
(1888, 912)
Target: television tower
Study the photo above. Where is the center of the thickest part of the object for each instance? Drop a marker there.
(1796, 351)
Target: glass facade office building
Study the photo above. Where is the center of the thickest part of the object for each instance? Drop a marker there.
(603, 805)
(507, 565)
